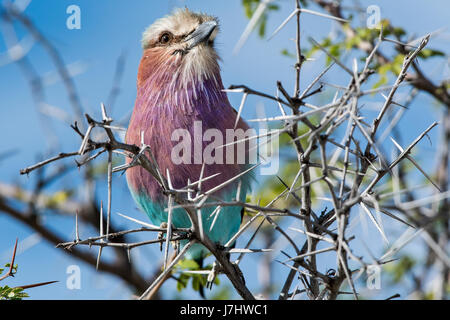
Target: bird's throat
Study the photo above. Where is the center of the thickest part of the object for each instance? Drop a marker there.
(169, 88)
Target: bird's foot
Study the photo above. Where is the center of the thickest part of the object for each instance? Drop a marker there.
(215, 270)
(220, 246)
(224, 249)
(161, 235)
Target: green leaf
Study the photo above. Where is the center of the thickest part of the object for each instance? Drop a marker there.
(397, 63)
(335, 51)
(58, 198)
(285, 52)
(383, 70)
(381, 82)
(363, 33)
(398, 32)
(429, 296)
(262, 27)
(197, 280)
(182, 282)
(188, 264)
(427, 53)
(352, 42)
(8, 293)
(309, 53)
(250, 7)
(195, 283)
(400, 268)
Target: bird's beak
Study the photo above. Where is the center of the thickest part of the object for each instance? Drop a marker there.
(201, 34)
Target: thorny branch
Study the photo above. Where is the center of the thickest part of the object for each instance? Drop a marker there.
(359, 192)
(351, 178)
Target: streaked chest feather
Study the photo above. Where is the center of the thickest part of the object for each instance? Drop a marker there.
(165, 105)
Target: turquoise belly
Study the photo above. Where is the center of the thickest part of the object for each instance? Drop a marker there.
(226, 223)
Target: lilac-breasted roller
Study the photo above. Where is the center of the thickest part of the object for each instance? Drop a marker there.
(179, 87)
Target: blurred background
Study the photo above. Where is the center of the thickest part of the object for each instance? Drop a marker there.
(101, 58)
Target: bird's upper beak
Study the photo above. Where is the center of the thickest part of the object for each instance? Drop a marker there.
(201, 34)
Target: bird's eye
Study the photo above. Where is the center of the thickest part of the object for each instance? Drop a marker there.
(165, 38)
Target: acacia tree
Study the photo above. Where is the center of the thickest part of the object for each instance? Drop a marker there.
(336, 171)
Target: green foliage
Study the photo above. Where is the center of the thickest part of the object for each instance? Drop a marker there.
(250, 7)
(371, 34)
(285, 52)
(356, 41)
(8, 293)
(338, 48)
(428, 53)
(58, 198)
(197, 279)
(13, 270)
(393, 67)
(398, 269)
(100, 169)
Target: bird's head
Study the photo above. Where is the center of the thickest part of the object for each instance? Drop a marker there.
(180, 46)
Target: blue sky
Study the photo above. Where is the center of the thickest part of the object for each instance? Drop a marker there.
(111, 27)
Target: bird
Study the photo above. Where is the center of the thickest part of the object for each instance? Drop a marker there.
(179, 88)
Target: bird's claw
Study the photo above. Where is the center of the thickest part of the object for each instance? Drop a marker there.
(161, 235)
(215, 270)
